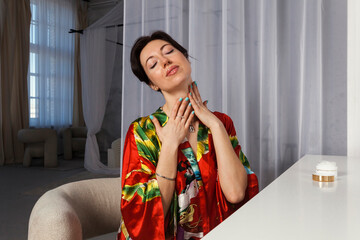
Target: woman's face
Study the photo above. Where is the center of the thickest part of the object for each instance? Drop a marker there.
(166, 67)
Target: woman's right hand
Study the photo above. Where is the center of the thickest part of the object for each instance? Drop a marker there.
(178, 123)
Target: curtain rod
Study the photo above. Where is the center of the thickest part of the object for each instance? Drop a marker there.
(76, 31)
(81, 31)
(118, 43)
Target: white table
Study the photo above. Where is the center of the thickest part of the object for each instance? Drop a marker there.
(295, 207)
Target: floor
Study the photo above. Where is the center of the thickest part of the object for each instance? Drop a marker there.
(21, 187)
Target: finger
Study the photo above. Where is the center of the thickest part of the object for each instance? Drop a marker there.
(175, 108)
(192, 92)
(182, 108)
(195, 103)
(188, 121)
(196, 92)
(188, 111)
(195, 97)
(156, 123)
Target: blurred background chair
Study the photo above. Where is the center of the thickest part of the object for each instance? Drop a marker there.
(39, 142)
(74, 140)
(114, 154)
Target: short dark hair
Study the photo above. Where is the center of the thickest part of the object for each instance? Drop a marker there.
(140, 43)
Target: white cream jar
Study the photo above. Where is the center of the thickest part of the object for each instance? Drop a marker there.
(325, 172)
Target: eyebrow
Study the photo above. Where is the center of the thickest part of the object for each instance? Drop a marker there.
(162, 47)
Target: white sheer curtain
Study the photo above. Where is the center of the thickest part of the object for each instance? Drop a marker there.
(99, 45)
(277, 67)
(51, 63)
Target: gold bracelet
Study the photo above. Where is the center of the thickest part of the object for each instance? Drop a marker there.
(171, 179)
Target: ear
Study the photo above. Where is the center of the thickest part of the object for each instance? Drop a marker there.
(153, 87)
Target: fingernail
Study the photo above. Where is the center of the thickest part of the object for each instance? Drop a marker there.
(180, 99)
(191, 85)
(192, 112)
(195, 83)
(189, 104)
(190, 94)
(151, 117)
(186, 99)
(207, 101)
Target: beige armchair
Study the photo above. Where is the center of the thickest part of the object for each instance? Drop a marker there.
(74, 140)
(77, 210)
(39, 142)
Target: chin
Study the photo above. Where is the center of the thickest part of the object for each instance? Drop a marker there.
(179, 78)
(183, 81)
(177, 84)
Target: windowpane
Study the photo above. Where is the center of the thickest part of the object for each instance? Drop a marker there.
(34, 108)
(33, 12)
(33, 33)
(33, 61)
(33, 86)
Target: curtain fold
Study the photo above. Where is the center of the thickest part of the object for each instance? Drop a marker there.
(14, 60)
(81, 23)
(262, 62)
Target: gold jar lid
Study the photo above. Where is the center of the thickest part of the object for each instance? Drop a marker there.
(320, 178)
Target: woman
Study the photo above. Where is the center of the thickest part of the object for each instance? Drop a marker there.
(183, 169)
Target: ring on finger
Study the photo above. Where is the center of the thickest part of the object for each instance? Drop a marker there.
(180, 116)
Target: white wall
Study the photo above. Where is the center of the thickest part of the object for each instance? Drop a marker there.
(353, 82)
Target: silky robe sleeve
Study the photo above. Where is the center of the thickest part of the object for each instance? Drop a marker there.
(141, 205)
(252, 183)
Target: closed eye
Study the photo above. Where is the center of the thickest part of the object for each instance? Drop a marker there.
(170, 51)
(153, 65)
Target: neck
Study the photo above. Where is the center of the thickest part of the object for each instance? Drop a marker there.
(173, 95)
(171, 99)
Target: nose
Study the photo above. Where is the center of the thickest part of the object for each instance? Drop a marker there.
(165, 61)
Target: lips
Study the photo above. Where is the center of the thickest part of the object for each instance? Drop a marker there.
(172, 70)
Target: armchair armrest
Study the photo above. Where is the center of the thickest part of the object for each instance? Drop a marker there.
(77, 210)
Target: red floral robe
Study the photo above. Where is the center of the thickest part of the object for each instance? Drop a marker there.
(198, 204)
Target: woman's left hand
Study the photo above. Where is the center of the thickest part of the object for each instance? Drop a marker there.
(200, 107)
(230, 168)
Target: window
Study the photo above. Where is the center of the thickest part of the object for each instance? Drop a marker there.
(50, 78)
(33, 82)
